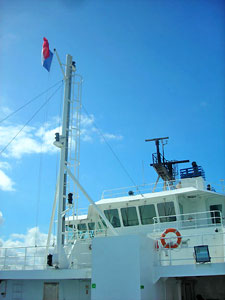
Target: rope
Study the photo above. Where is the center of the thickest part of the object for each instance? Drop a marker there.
(30, 101)
(29, 120)
(113, 152)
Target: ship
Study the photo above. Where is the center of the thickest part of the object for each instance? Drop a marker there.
(159, 241)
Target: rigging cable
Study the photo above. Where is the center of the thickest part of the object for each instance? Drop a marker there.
(49, 98)
(33, 99)
(113, 152)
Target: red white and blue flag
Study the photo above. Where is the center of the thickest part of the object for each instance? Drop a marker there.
(46, 55)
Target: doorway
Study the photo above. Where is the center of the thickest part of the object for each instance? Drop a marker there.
(51, 291)
(188, 289)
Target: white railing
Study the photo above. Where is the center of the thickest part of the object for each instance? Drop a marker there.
(73, 235)
(189, 220)
(34, 258)
(184, 253)
(161, 186)
(23, 258)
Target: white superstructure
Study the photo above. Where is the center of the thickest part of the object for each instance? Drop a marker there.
(147, 242)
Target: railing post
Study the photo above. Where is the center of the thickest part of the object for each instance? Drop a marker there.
(5, 258)
(25, 258)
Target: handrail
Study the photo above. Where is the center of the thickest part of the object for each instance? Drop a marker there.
(24, 258)
(192, 172)
(188, 214)
(214, 216)
(32, 257)
(170, 256)
(161, 186)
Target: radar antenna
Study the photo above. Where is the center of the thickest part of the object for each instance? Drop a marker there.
(166, 169)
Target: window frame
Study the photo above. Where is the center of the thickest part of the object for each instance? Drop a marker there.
(167, 218)
(140, 215)
(109, 217)
(127, 208)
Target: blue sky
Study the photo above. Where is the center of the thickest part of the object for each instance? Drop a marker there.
(150, 68)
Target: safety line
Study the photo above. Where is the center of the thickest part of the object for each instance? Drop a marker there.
(113, 152)
(33, 99)
(29, 120)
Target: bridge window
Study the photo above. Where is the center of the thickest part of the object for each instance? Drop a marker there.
(215, 213)
(129, 216)
(113, 216)
(147, 213)
(99, 225)
(91, 226)
(103, 222)
(70, 227)
(82, 227)
(166, 212)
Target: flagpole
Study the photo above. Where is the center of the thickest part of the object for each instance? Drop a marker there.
(60, 64)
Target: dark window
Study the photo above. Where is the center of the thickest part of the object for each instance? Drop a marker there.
(99, 225)
(91, 226)
(103, 222)
(215, 213)
(113, 216)
(82, 227)
(147, 213)
(129, 216)
(166, 209)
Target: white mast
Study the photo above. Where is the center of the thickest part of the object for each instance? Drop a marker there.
(69, 144)
(64, 141)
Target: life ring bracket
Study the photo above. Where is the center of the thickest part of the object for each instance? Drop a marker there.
(168, 245)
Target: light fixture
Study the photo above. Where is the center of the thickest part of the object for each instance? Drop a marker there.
(202, 254)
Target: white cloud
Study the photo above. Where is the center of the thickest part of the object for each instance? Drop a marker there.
(32, 241)
(4, 165)
(1, 218)
(6, 183)
(4, 112)
(33, 237)
(33, 140)
(87, 121)
(89, 131)
(110, 136)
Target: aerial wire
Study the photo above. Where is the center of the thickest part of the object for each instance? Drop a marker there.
(37, 111)
(113, 152)
(30, 101)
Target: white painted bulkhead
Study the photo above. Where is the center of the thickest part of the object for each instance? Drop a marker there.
(128, 268)
(123, 269)
(129, 265)
(67, 289)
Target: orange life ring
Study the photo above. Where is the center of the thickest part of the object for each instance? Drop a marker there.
(167, 245)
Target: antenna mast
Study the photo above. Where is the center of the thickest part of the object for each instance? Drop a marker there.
(163, 167)
(69, 144)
